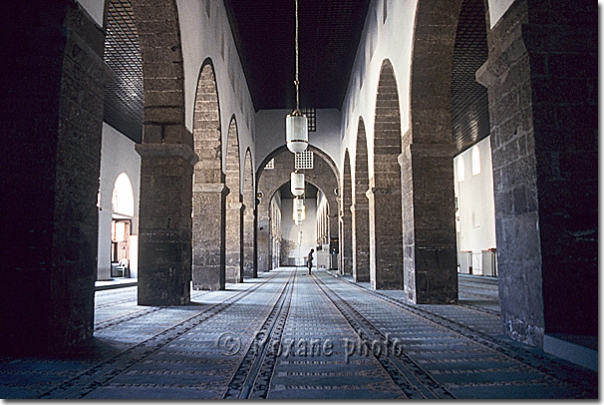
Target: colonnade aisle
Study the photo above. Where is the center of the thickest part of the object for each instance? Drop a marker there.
(290, 335)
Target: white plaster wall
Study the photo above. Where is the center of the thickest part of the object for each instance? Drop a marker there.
(497, 9)
(476, 225)
(95, 9)
(117, 156)
(308, 226)
(390, 39)
(270, 132)
(206, 33)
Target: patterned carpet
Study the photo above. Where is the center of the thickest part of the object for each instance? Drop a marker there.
(288, 335)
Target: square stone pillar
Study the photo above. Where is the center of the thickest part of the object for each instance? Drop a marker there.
(50, 148)
(386, 256)
(249, 268)
(334, 239)
(233, 242)
(346, 258)
(429, 243)
(263, 243)
(165, 224)
(209, 218)
(360, 242)
(542, 83)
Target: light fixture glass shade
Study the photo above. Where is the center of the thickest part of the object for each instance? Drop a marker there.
(299, 211)
(296, 132)
(297, 183)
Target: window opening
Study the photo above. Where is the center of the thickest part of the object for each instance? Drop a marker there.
(304, 160)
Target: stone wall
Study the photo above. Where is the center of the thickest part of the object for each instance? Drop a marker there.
(542, 80)
(53, 108)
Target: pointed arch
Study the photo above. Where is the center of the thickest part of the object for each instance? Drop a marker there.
(209, 190)
(386, 249)
(122, 199)
(360, 209)
(324, 176)
(207, 136)
(234, 209)
(346, 218)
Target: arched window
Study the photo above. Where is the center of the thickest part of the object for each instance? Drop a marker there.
(122, 201)
(475, 160)
(461, 169)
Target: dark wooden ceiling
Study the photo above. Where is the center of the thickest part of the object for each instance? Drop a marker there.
(329, 33)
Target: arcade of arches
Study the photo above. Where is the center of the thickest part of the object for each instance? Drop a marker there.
(389, 207)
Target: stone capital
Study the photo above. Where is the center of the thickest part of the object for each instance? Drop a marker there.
(359, 207)
(210, 188)
(175, 150)
(235, 206)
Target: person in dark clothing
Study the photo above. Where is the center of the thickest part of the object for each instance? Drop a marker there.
(309, 261)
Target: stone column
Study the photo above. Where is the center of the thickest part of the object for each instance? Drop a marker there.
(209, 217)
(263, 243)
(165, 224)
(360, 241)
(249, 270)
(542, 84)
(234, 247)
(50, 148)
(334, 235)
(428, 204)
(385, 238)
(346, 242)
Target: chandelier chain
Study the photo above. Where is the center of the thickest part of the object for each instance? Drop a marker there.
(297, 81)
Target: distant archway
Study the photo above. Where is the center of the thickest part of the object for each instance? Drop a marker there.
(122, 198)
(323, 175)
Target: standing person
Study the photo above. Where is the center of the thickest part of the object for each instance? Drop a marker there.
(309, 261)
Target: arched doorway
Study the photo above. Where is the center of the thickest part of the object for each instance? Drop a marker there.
(273, 173)
(124, 248)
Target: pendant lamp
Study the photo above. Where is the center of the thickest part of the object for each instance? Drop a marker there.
(297, 183)
(296, 124)
(299, 211)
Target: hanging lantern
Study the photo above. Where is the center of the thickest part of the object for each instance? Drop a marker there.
(297, 183)
(299, 211)
(296, 132)
(296, 124)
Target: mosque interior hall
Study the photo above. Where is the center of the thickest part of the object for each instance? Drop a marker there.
(299, 199)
